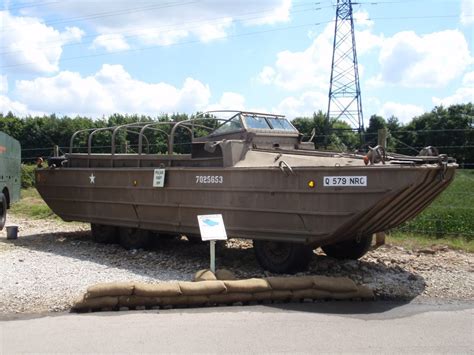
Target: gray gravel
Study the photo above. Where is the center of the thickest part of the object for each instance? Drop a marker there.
(52, 263)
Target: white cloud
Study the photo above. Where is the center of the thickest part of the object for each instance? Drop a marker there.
(111, 42)
(431, 60)
(3, 84)
(229, 101)
(303, 105)
(467, 12)
(31, 43)
(404, 112)
(468, 79)
(150, 22)
(463, 95)
(15, 107)
(110, 90)
(311, 68)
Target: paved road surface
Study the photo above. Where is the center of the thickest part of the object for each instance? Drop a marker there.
(308, 328)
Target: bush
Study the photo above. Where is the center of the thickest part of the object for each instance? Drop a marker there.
(27, 176)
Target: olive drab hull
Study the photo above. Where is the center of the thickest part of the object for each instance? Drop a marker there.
(255, 203)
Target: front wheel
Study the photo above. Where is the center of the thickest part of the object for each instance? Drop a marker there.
(104, 234)
(3, 210)
(133, 238)
(349, 249)
(281, 257)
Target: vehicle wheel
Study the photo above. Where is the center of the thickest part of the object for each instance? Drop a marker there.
(349, 249)
(104, 234)
(280, 257)
(133, 238)
(3, 210)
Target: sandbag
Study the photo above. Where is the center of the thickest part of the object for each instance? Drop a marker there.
(157, 290)
(312, 293)
(275, 295)
(204, 275)
(110, 289)
(202, 288)
(138, 301)
(334, 284)
(197, 300)
(247, 286)
(230, 298)
(224, 274)
(282, 295)
(180, 300)
(365, 292)
(96, 303)
(290, 283)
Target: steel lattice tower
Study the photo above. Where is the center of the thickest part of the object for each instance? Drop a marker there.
(344, 90)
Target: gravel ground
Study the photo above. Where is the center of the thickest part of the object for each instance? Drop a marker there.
(52, 263)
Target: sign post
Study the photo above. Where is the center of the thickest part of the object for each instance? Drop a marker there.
(212, 228)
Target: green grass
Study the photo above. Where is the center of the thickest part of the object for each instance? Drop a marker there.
(417, 241)
(32, 205)
(451, 214)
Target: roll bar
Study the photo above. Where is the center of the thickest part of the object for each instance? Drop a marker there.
(189, 125)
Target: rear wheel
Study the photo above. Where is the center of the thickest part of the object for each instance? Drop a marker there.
(133, 238)
(349, 249)
(3, 210)
(280, 257)
(104, 234)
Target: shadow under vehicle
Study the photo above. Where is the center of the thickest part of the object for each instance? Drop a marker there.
(256, 171)
(10, 174)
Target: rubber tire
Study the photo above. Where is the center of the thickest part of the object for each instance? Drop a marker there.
(349, 249)
(134, 238)
(282, 258)
(3, 210)
(104, 234)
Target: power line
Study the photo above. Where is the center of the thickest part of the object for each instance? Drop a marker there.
(174, 44)
(170, 28)
(112, 13)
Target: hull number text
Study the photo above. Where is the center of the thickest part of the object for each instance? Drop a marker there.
(345, 181)
(208, 179)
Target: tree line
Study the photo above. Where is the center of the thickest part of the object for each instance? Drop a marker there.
(450, 129)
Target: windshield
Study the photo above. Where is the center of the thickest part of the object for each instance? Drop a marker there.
(234, 124)
(281, 124)
(256, 122)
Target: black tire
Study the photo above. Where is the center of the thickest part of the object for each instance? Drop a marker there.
(282, 258)
(104, 234)
(349, 249)
(3, 210)
(134, 238)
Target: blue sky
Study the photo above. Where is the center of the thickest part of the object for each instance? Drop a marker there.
(150, 57)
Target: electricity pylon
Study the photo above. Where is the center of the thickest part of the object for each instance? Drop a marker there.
(345, 101)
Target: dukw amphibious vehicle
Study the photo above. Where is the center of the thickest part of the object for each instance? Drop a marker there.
(256, 171)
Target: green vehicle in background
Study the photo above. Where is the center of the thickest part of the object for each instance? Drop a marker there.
(10, 174)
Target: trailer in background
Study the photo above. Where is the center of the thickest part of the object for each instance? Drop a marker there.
(10, 174)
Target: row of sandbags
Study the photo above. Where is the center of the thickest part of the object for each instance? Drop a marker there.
(220, 288)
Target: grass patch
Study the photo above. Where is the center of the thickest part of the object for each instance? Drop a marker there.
(32, 205)
(451, 214)
(417, 241)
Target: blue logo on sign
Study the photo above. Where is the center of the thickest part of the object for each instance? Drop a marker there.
(210, 222)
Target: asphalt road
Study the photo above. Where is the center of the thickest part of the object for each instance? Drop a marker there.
(350, 327)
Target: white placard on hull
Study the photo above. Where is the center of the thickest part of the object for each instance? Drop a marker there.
(159, 178)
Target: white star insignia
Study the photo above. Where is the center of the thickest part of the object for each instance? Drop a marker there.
(92, 178)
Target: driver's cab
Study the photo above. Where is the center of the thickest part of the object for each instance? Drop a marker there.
(251, 130)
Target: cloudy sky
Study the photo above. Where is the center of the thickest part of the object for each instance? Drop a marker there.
(95, 58)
